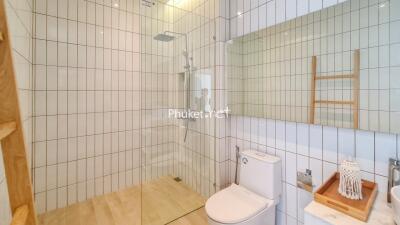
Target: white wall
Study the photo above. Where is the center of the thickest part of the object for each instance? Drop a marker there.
(252, 15)
(319, 148)
(303, 146)
(276, 77)
(87, 99)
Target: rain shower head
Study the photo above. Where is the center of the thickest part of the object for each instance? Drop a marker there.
(164, 37)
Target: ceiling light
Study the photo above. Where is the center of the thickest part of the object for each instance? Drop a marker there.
(382, 5)
(116, 5)
(175, 2)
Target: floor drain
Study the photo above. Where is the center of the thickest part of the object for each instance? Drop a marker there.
(177, 179)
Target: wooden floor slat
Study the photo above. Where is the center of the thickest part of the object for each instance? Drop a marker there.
(198, 217)
(158, 202)
(103, 211)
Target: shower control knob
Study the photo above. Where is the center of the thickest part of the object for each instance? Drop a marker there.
(244, 160)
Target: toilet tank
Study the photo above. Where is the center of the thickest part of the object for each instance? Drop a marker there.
(261, 173)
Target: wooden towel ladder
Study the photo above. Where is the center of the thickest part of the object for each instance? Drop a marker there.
(12, 137)
(356, 88)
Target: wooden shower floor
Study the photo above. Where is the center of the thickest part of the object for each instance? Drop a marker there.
(164, 200)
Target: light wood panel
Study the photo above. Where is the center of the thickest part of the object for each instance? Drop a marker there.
(334, 102)
(313, 86)
(350, 76)
(198, 217)
(355, 102)
(6, 129)
(356, 87)
(20, 215)
(13, 145)
(158, 202)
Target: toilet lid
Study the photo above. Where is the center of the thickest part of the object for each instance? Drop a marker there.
(235, 204)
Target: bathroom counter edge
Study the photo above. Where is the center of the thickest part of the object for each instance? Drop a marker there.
(318, 214)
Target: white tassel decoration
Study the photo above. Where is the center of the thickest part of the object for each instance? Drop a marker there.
(350, 185)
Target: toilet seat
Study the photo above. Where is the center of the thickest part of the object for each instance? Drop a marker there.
(235, 204)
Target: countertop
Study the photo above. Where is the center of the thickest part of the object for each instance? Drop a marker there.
(316, 213)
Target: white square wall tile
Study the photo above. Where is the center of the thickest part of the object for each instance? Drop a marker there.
(280, 135)
(254, 135)
(262, 13)
(271, 133)
(346, 146)
(328, 170)
(40, 179)
(365, 153)
(303, 199)
(302, 7)
(247, 23)
(271, 19)
(291, 136)
(40, 154)
(330, 141)
(398, 146)
(40, 202)
(291, 9)
(327, 3)
(316, 169)
(316, 141)
(382, 182)
(291, 168)
(385, 148)
(291, 193)
(315, 5)
(280, 11)
(254, 18)
(302, 163)
(282, 155)
(303, 139)
(262, 131)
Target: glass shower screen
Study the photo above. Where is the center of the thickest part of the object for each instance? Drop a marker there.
(177, 75)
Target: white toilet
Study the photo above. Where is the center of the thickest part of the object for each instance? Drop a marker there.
(254, 200)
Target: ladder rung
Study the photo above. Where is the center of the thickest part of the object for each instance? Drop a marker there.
(20, 215)
(335, 102)
(347, 76)
(7, 128)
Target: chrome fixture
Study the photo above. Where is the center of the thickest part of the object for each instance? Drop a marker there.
(168, 36)
(394, 176)
(304, 180)
(148, 3)
(237, 162)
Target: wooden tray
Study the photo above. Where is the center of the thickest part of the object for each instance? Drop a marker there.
(328, 195)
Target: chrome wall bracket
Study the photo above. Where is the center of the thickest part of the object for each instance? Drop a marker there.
(394, 176)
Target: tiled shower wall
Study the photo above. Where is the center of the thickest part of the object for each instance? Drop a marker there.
(319, 148)
(19, 18)
(87, 99)
(252, 15)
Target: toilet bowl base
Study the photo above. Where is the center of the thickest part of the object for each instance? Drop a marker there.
(265, 217)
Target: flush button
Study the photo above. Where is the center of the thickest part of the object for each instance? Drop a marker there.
(260, 154)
